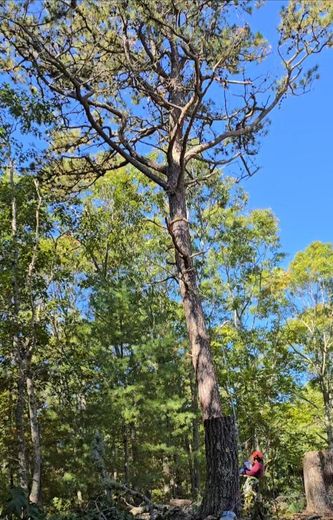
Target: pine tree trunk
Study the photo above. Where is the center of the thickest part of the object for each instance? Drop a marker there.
(318, 482)
(35, 438)
(220, 434)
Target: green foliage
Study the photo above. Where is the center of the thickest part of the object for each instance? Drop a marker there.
(315, 264)
(92, 511)
(114, 347)
(28, 109)
(309, 329)
(18, 506)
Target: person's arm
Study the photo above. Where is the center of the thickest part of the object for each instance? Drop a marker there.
(254, 471)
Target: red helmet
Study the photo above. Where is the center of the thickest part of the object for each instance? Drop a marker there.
(257, 454)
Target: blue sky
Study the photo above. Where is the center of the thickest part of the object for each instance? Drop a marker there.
(296, 176)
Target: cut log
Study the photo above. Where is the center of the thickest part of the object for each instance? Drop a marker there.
(318, 482)
(135, 511)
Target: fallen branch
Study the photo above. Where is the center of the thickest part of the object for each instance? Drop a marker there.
(113, 484)
(107, 482)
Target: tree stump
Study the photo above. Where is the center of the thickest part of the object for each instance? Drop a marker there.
(318, 482)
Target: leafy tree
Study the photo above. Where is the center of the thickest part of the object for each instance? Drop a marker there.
(115, 359)
(134, 323)
(25, 259)
(310, 325)
(21, 290)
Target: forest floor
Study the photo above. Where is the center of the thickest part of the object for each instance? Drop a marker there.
(183, 509)
(312, 516)
(184, 513)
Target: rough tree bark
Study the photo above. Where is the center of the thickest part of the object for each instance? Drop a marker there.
(318, 482)
(221, 456)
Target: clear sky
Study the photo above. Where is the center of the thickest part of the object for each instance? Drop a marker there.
(296, 176)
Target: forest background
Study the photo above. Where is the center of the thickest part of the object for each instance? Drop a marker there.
(105, 388)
